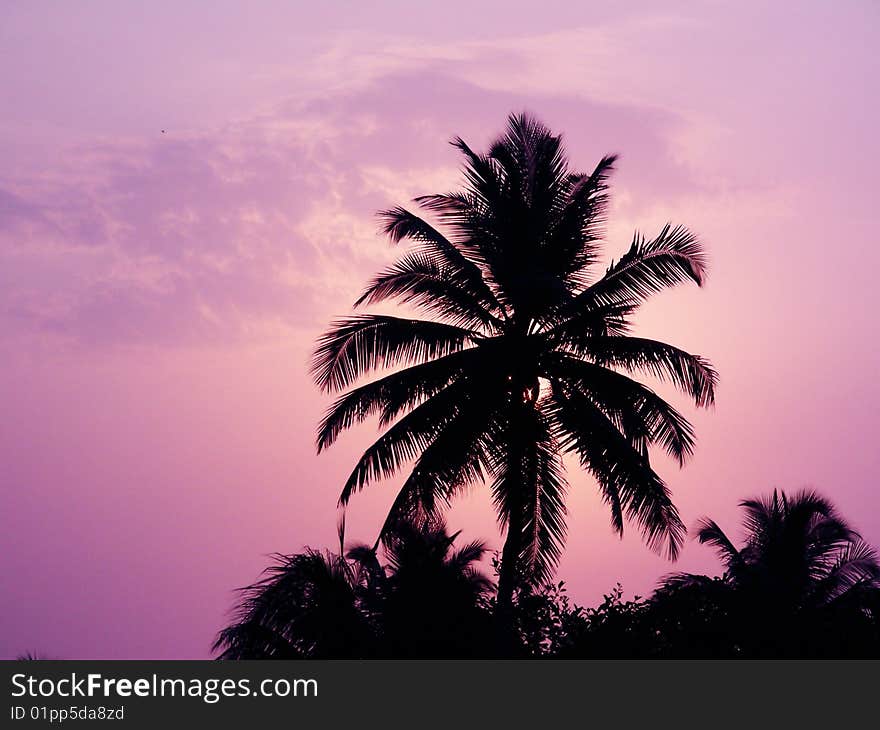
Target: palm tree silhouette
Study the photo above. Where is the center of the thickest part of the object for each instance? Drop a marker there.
(305, 606)
(801, 568)
(798, 552)
(523, 356)
(433, 602)
(428, 600)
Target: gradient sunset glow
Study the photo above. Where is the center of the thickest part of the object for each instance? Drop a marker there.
(188, 196)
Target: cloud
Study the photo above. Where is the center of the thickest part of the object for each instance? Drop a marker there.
(179, 240)
(210, 236)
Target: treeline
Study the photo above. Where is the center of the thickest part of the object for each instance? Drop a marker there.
(802, 584)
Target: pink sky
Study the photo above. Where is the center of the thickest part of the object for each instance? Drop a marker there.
(159, 293)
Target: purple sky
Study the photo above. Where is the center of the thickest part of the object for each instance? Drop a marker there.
(159, 292)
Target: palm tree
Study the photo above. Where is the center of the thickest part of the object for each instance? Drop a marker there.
(524, 356)
(428, 600)
(801, 570)
(433, 602)
(798, 553)
(305, 606)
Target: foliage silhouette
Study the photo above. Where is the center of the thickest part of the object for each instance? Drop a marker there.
(803, 584)
(525, 355)
(31, 656)
(801, 571)
(305, 606)
(427, 600)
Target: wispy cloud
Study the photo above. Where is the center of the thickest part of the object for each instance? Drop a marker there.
(213, 235)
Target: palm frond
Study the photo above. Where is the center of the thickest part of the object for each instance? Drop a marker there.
(533, 164)
(251, 640)
(674, 582)
(762, 516)
(434, 288)
(673, 257)
(528, 491)
(855, 564)
(393, 394)
(692, 374)
(304, 605)
(544, 528)
(356, 345)
(618, 467)
(709, 533)
(406, 439)
(642, 415)
(456, 457)
(400, 224)
(572, 238)
(482, 178)
(463, 558)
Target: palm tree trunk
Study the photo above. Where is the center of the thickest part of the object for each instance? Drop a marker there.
(508, 571)
(508, 574)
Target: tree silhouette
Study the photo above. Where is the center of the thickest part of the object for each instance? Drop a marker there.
(428, 600)
(525, 355)
(802, 576)
(305, 606)
(433, 600)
